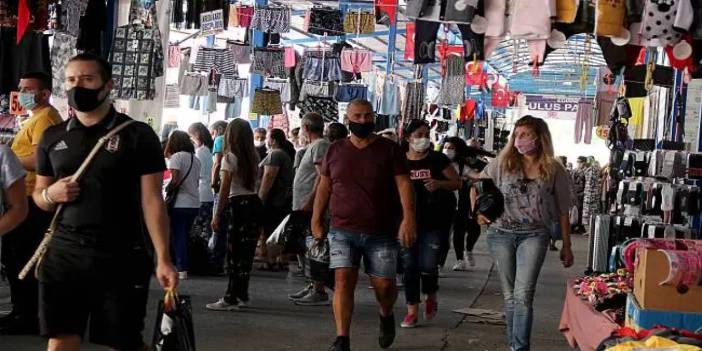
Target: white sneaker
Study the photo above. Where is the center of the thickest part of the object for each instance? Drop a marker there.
(302, 293)
(221, 305)
(314, 298)
(460, 266)
(244, 304)
(183, 275)
(470, 259)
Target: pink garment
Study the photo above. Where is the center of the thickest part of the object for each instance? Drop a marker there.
(583, 122)
(289, 57)
(356, 61)
(495, 13)
(534, 19)
(279, 122)
(246, 14)
(537, 49)
(582, 325)
(173, 56)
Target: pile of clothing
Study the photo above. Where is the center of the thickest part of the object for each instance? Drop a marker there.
(626, 339)
(606, 291)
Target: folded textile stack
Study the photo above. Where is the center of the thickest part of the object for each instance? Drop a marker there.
(606, 291)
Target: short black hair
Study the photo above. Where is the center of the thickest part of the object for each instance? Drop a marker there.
(43, 78)
(105, 67)
(414, 125)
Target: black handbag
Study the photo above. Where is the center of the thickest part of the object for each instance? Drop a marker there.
(172, 192)
(174, 324)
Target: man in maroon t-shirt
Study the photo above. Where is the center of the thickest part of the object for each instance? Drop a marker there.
(366, 185)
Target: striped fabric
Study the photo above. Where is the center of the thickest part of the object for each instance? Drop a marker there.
(221, 60)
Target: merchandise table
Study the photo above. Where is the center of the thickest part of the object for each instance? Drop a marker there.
(582, 325)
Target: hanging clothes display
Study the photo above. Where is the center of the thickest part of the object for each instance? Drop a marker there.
(172, 96)
(414, 100)
(359, 22)
(282, 86)
(232, 86)
(453, 83)
(356, 60)
(610, 17)
(451, 11)
(350, 92)
(324, 21)
(388, 102)
(269, 62)
(386, 11)
(583, 122)
(193, 84)
(137, 59)
(663, 21)
(240, 51)
(271, 19)
(321, 65)
(327, 107)
(31, 55)
(71, 13)
(425, 42)
(63, 48)
(220, 60)
(593, 188)
(267, 102)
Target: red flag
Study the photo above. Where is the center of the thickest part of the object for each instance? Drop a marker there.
(23, 16)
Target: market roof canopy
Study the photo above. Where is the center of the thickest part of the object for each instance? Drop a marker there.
(560, 74)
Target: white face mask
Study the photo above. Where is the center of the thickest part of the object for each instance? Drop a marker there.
(259, 143)
(450, 153)
(420, 144)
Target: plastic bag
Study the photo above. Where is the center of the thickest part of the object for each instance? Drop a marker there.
(573, 215)
(174, 324)
(318, 258)
(277, 235)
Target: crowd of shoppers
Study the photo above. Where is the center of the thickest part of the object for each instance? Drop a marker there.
(375, 201)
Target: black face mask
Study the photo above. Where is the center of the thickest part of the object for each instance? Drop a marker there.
(361, 130)
(85, 99)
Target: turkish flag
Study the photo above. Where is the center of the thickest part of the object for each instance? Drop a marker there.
(23, 17)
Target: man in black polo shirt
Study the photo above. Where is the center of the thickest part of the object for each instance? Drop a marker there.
(97, 267)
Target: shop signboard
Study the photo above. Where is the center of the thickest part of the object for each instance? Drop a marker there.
(211, 22)
(552, 106)
(15, 106)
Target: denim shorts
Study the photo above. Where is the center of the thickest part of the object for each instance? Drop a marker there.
(379, 252)
(348, 93)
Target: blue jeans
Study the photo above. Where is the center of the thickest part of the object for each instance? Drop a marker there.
(519, 258)
(181, 221)
(378, 251)
(420, 266)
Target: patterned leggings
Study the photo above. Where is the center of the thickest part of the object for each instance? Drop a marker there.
(243, 225)
(202, 226)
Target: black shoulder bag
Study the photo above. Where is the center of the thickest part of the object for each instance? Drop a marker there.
(172, 192)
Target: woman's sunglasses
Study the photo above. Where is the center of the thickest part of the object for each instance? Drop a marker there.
(524, 185)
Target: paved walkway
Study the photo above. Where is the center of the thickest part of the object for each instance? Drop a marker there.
(275, 324)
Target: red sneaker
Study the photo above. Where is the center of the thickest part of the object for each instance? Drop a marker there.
(410, 321)
(431, 308)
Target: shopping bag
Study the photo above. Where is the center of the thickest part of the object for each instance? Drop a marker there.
(318, 259)
(174, 324)
(275, 240)
(573, 215)
(295, 231)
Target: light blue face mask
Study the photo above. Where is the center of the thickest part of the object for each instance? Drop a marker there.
(27, 101)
